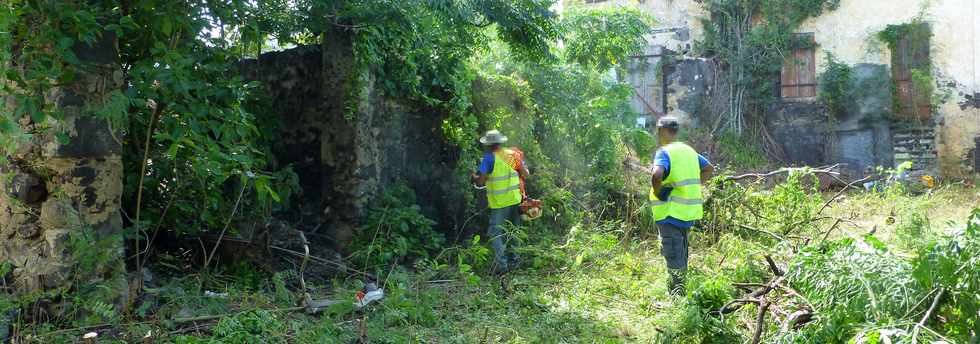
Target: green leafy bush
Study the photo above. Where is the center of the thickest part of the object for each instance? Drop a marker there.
(785, 209)
(253, 327)
(914, 231)
(693, 321)
(396, 231)
(604, 37)
(953, 265)
(739, 152)
(836, 89)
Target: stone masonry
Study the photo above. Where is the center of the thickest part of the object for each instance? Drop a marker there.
(53, 191)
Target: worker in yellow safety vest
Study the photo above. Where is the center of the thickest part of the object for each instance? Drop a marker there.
(675, 196)
(501, 171)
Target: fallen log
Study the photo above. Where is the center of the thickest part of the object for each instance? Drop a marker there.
(796, 320)
(772, 266)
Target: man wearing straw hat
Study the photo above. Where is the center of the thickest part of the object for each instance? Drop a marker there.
(501, 171)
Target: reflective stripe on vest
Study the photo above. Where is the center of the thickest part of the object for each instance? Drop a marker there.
(509, 188)
(680, 200)
(503, 184)
(685, 182)
(502, 178)
(685, 200)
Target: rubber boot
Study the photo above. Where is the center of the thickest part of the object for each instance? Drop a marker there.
(675, 284)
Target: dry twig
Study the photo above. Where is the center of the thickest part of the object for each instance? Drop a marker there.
(832, 227)
(234, 209)
(839, 193)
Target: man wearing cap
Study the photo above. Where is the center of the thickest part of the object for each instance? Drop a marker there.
(501, 171)
(675, 196)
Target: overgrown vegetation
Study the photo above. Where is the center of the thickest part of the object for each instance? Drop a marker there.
(599, 281)
(910, 47)
(197, 158)
(602, 37)
(749, 39)
(396, 231)
(836, 88)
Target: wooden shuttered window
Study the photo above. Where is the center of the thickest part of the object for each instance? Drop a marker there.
(910, 59)
(799, 75)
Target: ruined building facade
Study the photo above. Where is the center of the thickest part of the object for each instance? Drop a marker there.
(884, 125)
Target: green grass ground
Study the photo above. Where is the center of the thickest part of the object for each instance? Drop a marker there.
(947, 206)
(585, 285)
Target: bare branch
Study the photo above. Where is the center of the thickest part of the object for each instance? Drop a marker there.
(932, 308)
(760, 321)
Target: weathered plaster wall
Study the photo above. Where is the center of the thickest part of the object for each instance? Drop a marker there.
(677, 23)
(53, 190)
(690, 84)
(850, 34)
(346, 151)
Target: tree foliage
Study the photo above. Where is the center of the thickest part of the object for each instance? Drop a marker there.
(185, 110)
(604, 37)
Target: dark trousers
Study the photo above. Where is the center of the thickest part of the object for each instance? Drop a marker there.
(673, 242)
(673, 246)
(498, 240)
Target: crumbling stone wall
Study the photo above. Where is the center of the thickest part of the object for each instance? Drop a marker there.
(862, 137)
(348, 141)
(691, 88)
(976, 155)
(802, 130)
(917, 145)
(53, 190)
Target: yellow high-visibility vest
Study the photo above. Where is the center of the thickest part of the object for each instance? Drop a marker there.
(503, 184)
(685, 200)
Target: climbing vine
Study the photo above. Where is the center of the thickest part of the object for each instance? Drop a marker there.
(750, 39)
(909, 44)
(836, 90)
(36, 40)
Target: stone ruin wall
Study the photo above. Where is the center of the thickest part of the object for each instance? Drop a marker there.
(52, 190)
(348, 150)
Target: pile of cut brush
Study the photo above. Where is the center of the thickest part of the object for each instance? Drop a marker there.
(855, 289)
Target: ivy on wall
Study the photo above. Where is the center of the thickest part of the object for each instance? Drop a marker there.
(909, 44)
(836, 89)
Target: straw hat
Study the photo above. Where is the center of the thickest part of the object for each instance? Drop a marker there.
(493, 137)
